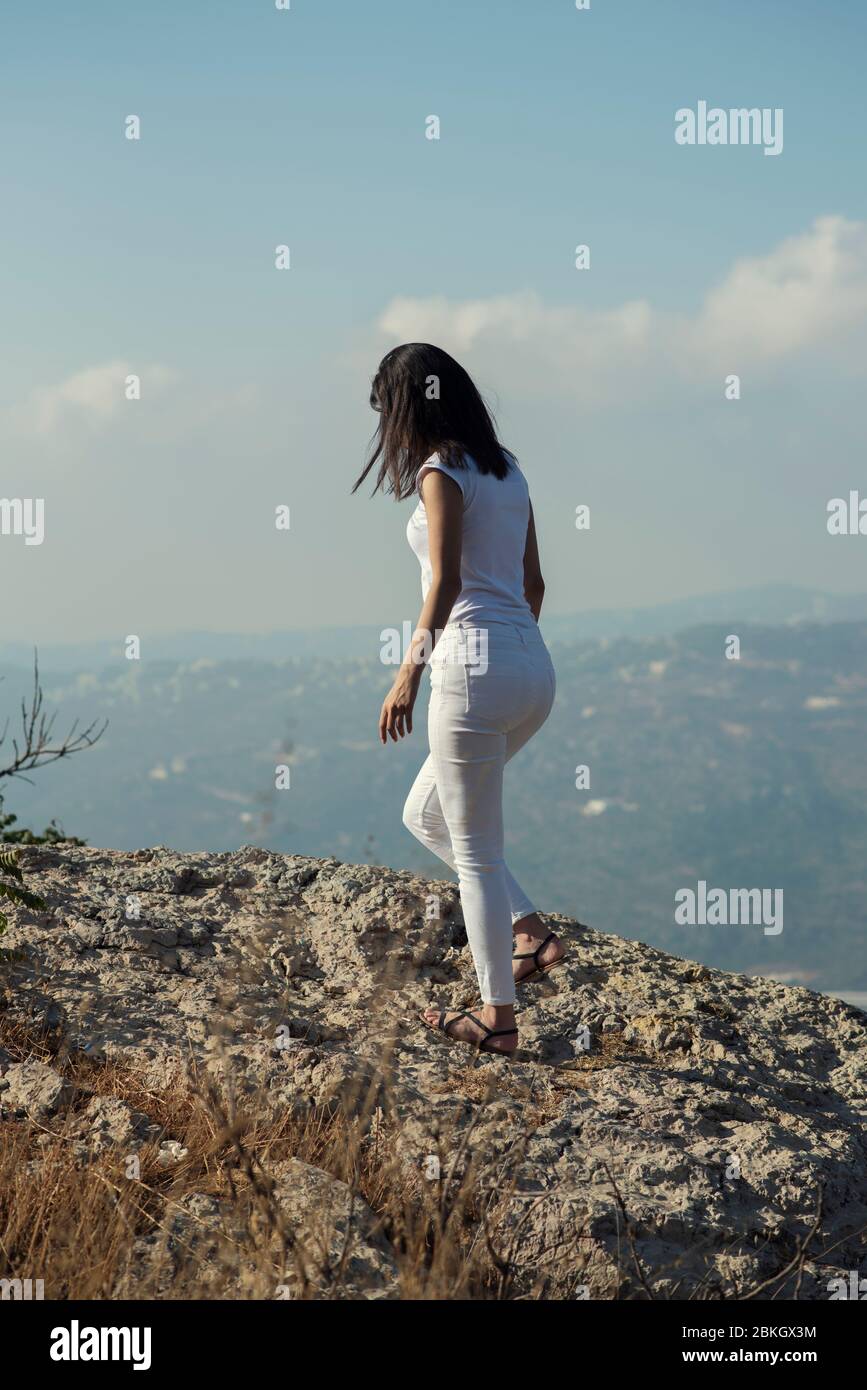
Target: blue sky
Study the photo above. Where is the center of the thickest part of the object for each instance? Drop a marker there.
(306, 127)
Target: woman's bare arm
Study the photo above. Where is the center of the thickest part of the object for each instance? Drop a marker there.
(444, 507)
(534, 584)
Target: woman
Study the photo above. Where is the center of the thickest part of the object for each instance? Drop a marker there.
(492, 681)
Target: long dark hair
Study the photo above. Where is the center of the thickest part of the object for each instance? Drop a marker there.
(427, 403)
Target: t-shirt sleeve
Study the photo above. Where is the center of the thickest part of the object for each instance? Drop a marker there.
(461, 476)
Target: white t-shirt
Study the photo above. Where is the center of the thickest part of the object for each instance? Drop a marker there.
(496, 516)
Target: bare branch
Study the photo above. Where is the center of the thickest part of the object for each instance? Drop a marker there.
(36, 746)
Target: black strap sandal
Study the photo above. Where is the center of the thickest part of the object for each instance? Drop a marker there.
(488, 1032)
(538, 969)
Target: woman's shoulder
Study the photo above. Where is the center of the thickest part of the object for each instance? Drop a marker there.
(468, 475)
(462, 473)
(458, 463)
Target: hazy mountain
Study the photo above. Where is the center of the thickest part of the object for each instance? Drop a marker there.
(769, 604)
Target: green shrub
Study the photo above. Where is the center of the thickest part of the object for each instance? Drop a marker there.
(53, 834)
(15, 891)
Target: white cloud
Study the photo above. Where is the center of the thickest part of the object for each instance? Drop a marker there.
(93, 395)
(806, 293)
(810, 288)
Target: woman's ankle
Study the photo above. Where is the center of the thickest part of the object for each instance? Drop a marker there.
(529, 928)
(499, 1015)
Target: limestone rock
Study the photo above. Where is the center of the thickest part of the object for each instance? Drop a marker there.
(342, 1246)
(32, 1088)
(108, 1122)
(335, 1248)
(171, 1152)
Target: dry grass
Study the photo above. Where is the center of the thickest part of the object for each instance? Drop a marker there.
(80, 1222)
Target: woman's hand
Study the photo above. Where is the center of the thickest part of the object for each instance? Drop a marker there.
(397, 707)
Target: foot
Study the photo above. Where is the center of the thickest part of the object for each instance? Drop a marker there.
(497, 1017)
(529, 935)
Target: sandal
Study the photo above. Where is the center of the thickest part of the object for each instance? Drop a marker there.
(538, 969)
(489, 1033)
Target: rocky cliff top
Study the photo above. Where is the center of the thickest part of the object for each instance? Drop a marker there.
(665, 1127)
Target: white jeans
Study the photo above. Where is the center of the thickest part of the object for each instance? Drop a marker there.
(480, 714)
